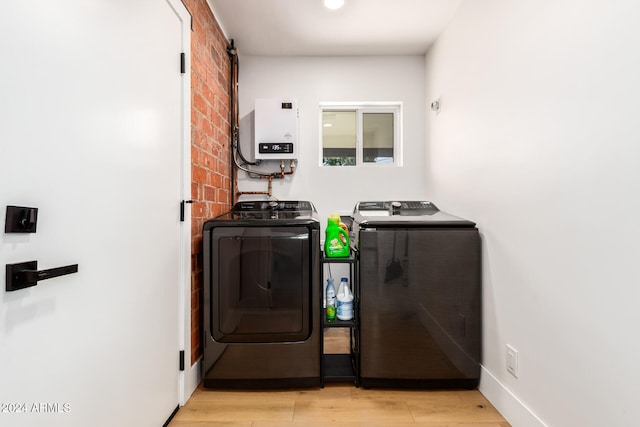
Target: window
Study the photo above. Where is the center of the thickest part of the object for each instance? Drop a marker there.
(361, 134)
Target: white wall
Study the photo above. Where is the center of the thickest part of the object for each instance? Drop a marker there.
(326, 79)
(538, 142)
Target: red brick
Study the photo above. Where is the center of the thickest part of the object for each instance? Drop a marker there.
(195, 193)
(199, 209)
(196, 155)
(200, 104)
(208, 94)
(200, 139)
(209, 139)
(216, 180)
(197, 28)
(216, 119)
(198, 174)
(209, 192)
(195, 303)
(207, 128)
(200, 71)
(194, 117)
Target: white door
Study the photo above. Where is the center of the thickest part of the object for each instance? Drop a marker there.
(90, 134)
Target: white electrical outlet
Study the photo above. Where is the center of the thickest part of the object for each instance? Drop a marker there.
(512, 361)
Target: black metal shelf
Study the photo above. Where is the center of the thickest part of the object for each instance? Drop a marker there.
(344, 367)
(337, 323)
(338, 368)
(339, 260)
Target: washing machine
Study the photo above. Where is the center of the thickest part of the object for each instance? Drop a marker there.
(261, 266)
(420, 296)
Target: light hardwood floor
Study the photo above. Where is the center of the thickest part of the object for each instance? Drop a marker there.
(342, 405)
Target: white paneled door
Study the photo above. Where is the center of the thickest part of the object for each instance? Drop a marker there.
(91, 133)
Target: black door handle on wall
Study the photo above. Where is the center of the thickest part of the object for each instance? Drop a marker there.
(25, 274)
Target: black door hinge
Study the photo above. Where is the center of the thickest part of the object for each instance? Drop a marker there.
(182, 209)
(183, 63)
(181, 356)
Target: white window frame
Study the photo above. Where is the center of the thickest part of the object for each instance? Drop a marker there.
(361, 108)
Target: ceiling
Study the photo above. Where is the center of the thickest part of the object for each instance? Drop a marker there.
(307, 28)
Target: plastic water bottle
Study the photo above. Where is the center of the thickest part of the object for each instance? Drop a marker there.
(331, 300)
(345, 301)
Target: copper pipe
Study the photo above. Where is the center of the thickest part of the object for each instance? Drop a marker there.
(267, 193)
(292, 167)
(270, 177)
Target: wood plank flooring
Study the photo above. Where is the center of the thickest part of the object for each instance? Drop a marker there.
(339, 404)
(342, 405)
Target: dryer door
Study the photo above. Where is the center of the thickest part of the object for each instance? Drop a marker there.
(260, 284)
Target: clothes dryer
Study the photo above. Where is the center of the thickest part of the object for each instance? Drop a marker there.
(262, 296)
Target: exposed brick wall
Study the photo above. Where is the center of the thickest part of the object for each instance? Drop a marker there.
(210, 140)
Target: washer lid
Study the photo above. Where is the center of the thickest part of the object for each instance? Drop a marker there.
(406, 214)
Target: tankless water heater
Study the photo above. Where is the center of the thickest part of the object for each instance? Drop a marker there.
(276, 129)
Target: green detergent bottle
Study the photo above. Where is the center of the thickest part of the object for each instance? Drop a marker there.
(336, 244)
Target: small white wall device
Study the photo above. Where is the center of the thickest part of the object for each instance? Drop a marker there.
(276, 129)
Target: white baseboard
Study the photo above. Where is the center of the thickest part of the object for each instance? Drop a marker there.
(507, 403)
(191, 380)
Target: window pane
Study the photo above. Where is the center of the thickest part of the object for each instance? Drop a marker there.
(338, 138)
(377, 137)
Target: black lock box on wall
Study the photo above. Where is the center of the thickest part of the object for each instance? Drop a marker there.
(20, 219)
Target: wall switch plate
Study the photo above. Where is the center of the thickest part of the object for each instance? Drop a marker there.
(512, 361)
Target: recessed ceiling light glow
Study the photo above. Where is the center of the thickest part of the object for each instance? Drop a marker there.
(333, 4)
